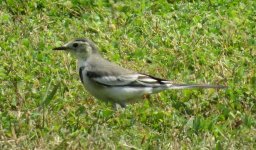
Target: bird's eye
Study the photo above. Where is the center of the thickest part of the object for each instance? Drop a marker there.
(75, 45)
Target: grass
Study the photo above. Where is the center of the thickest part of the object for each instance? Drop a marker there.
(43, 105)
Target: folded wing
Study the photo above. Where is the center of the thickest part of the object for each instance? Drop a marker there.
(131, 80)
(142, 80)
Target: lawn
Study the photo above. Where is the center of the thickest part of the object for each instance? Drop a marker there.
(43, 104)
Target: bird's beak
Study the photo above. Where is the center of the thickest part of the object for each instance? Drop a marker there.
(60, 48)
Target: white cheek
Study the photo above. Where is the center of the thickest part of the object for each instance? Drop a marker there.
(88, 50)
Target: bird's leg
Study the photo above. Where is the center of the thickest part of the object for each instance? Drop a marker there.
(147, 97)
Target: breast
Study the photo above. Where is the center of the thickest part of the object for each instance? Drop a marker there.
(90, 86)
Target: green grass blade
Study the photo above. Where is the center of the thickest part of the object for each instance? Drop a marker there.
(49, 98)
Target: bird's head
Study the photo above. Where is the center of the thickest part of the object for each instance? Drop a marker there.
(81, 48)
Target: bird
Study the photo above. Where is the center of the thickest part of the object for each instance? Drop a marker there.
(112, 83)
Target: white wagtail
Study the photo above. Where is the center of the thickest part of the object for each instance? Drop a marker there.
(112, 83)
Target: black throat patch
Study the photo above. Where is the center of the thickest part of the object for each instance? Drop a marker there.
(81, 73)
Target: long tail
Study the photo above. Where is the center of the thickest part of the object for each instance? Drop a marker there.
(191, 86)
(161, 84)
